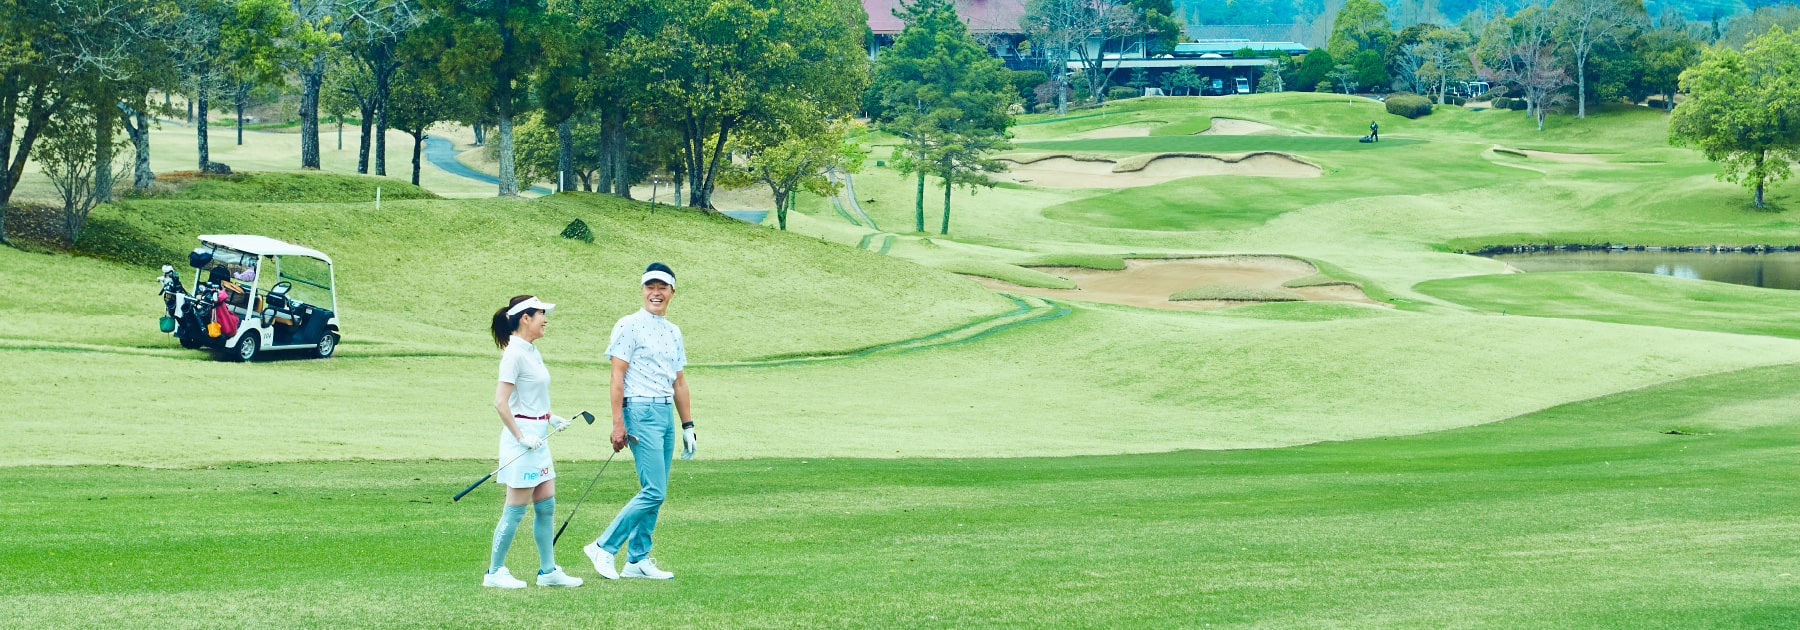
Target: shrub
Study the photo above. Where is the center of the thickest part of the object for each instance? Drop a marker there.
(1408, 105)
(1501, 103)
(1517, 104)
(578, 230)
(1121, 92)
(1455, 100)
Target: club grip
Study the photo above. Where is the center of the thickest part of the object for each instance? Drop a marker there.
(472, 486)
(559, 532)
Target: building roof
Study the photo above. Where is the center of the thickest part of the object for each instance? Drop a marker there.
(982, 16)
(1264, 32)
(261, 245)
(1177, 63)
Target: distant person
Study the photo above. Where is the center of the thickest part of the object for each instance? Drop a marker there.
(1374, 132)
(648, 389)
(523, 401)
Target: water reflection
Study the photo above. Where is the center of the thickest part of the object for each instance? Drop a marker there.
(1779, 270)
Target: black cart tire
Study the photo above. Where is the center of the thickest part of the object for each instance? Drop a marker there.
(327, 346)
(247, 348)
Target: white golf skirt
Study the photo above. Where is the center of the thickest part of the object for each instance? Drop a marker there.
(534, 466)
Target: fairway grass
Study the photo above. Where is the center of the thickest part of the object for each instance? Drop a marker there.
(1583, 515)
(1630, 298)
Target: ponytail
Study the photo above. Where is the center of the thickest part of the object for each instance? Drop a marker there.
(504, 325)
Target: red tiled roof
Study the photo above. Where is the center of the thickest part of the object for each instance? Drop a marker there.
(982, 16)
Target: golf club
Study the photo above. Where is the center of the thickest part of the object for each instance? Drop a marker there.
(583, 415)
(578, 502)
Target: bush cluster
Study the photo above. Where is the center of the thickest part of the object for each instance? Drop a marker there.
(1122, 91)
(1517, 104)
(1501, 103)
(578, 230)
(1408, 105)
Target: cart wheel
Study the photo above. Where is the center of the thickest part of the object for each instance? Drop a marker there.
(327, 345)
(247, 347)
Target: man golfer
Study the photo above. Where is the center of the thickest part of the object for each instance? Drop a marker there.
(647, 390)
(1374, 132)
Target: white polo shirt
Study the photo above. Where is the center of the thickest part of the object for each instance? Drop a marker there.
(652, 345)
(522, 366)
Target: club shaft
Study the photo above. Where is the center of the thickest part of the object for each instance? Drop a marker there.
(583, 499)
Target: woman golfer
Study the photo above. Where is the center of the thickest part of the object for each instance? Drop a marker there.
(647, 390)
(523, 400)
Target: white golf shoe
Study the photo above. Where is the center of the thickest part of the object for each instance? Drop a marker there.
(558, 578)
(646, 568)
(603, 562)
(501, 578)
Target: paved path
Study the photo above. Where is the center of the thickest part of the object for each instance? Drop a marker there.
(442, 154)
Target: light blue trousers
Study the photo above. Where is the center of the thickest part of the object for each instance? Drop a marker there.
(652, 426)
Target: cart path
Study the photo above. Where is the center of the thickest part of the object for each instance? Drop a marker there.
(442, 154)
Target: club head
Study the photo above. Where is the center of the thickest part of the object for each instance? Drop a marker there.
(585, 416)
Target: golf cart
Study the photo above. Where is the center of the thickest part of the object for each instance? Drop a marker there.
(253, 294)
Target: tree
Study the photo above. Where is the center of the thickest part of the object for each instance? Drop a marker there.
(372, 33)
(725, 64)
(1521, 52)
(1443, 56)
(1314, 69)
(1745, 28)
(1734, 112)
(946, 97)
(1370, 71)
(1359, 25)
(1666, 52)
(1584, 25)
(788, 160)
(489, 50)
(417, 101)
(1186, 79)
(1344, 75)
(68, 159)
(306, 47)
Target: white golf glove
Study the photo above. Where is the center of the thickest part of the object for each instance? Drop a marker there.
(688, 442)
(559, 423)
(531, 442)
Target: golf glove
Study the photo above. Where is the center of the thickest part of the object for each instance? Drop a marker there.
(531, 442)
(559, 423)
(688, 442)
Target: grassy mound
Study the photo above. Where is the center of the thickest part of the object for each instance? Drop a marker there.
(284, 187)
(1010, 273)
(1629, 298)
(425, 276)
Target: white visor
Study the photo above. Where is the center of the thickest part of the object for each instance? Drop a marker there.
(659, 275)
(531, 302)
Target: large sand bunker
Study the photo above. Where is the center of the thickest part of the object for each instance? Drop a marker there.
(1235, 127)
(1151, 282)
(1066, 171)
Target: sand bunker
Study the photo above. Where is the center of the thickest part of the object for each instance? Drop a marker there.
(1235, 127)
(1149, 283)
(1128, 130)
(1064, 171)
(1567, 158)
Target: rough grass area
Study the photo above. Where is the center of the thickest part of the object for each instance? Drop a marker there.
(1583, 515)
(1102, 262)
(279, 187)
(1234, 293)
(1629, 298)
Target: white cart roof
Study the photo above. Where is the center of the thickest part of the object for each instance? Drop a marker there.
(261, 245)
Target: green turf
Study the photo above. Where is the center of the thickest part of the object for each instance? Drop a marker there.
(1630, 298)
(301, 187)
(1223, 144)
(1585, 515)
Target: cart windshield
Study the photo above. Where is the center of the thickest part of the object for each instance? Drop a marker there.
(310, 277)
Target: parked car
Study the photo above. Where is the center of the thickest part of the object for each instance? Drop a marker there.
(253, 294)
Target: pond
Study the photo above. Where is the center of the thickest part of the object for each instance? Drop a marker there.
(1775, 270)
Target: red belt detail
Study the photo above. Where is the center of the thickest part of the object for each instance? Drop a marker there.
(522, 417)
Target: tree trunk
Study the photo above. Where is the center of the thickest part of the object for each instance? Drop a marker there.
(781, 209)
(418, 139)
(200, 125)
(340, 124)
(509, 179)
(103, 151)
(190, 108)
(137, 127)
(243, 94)
(384, 79)
(945, 228)
(618, 144)
(310, 79)
(1581, 87)
(565, 154)
(603, 175)
(367, 108)
(480, 134)
(1062, 102)
(919, 204)
(1760, 156)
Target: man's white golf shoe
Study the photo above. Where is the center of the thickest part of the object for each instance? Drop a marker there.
(558, 578)
(646, 568)
(501, 578)
(603, 562)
